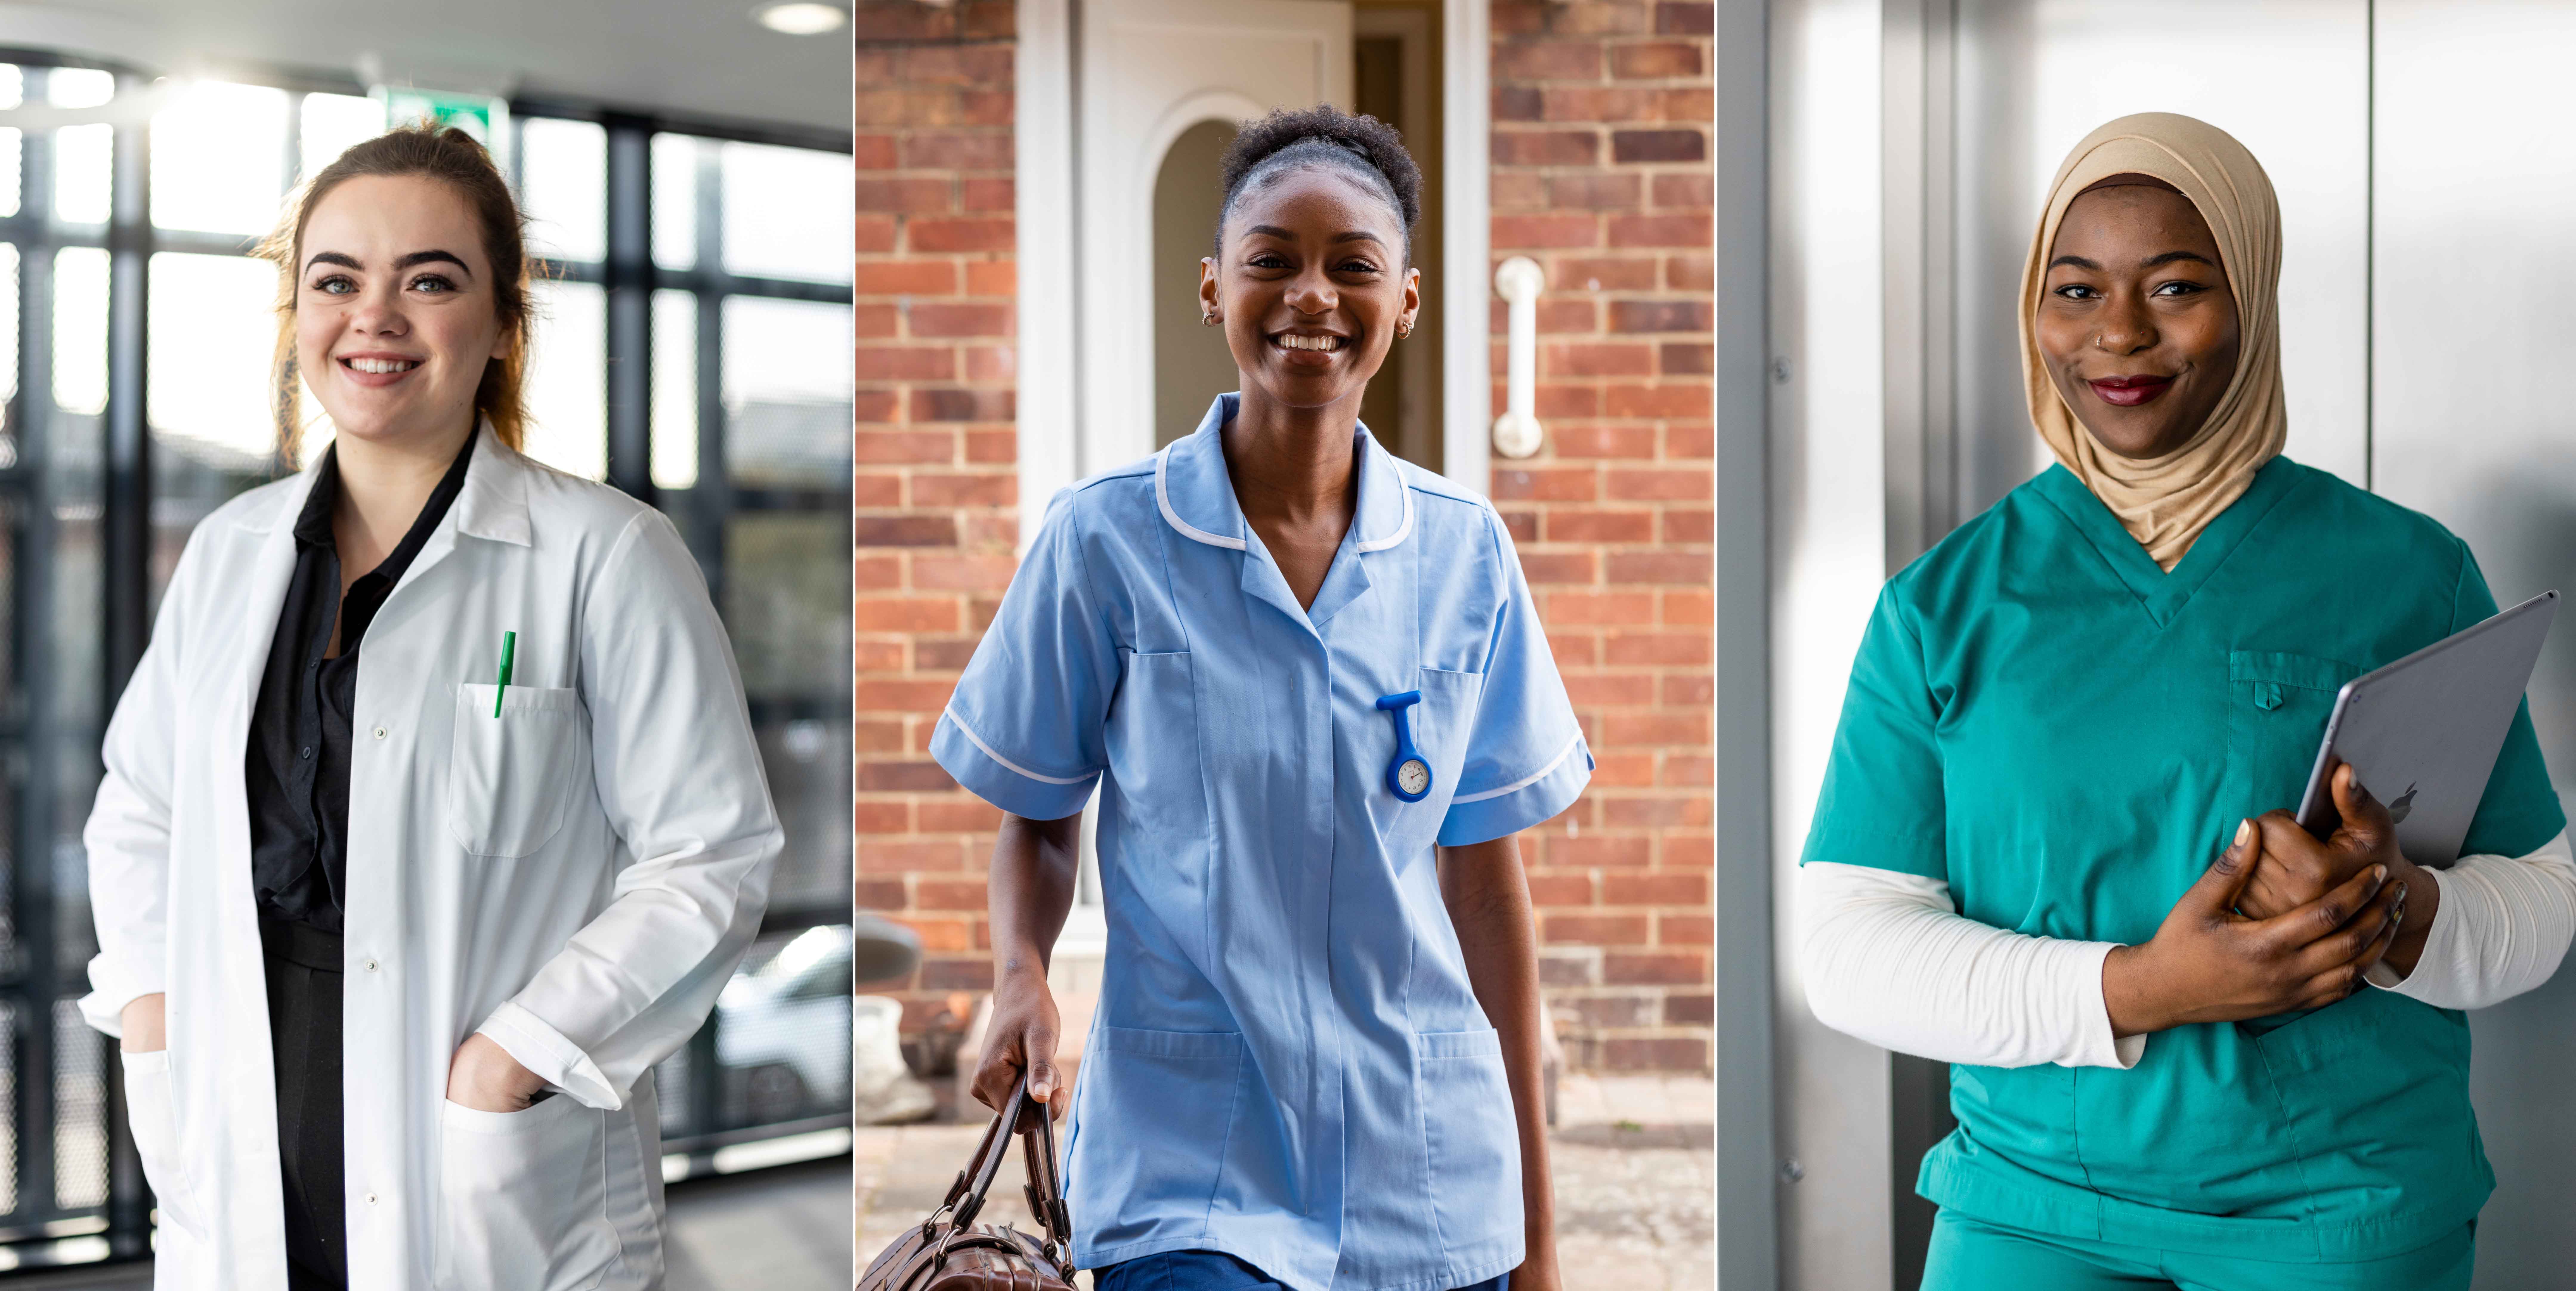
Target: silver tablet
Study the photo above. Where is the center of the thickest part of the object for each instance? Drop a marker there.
(2423, 733)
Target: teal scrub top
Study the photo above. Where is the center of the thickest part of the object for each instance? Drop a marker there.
(2068, 735)
(1287, 1063)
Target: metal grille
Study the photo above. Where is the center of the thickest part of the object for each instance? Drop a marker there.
(80, 1111)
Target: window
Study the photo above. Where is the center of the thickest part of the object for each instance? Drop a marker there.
(693, 348)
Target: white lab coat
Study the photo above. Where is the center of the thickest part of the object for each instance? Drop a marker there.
(576, 878)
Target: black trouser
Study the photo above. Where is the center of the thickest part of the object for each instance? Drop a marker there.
(303, 969)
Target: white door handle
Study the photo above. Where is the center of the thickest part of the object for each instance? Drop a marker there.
(1517, 432)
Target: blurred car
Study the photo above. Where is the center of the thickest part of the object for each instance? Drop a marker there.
(783, 1030)
(785, 1024)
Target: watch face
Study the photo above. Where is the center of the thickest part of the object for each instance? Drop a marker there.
(1413, 775)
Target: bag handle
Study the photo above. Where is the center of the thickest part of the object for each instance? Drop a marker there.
(1045, 1191)
(966, 1195)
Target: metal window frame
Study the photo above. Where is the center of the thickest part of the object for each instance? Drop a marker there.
(31, 984)
(629, 277)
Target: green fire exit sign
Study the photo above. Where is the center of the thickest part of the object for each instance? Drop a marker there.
(480, 115)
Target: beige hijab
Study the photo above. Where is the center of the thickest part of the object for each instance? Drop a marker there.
(2164, 502)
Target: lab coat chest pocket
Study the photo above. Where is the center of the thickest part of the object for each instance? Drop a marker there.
(511, 777)
(2277, 706)
(1474, 1144)
(523, 1197)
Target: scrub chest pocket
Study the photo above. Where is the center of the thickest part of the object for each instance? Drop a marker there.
(2277, 707)
(511, 778)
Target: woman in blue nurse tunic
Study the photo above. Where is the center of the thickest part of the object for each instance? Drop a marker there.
(1309, 684)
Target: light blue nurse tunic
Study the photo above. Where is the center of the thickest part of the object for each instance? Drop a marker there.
(1287, 1063)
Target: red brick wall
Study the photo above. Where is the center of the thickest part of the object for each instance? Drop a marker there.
(1601, 174)
(936, 488)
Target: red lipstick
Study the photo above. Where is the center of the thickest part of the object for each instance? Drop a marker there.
(2129, 392)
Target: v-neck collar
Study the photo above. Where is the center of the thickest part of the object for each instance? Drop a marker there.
(2161, 594)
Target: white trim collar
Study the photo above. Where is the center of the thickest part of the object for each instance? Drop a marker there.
(1206, 490)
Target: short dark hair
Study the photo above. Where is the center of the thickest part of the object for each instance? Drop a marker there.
(1324, 136)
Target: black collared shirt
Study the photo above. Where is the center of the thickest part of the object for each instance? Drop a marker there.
(298, 761)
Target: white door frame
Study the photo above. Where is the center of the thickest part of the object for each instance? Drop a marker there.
(1466, 233)
(1057, 441)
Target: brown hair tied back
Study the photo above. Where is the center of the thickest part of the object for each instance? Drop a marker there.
(451, 157)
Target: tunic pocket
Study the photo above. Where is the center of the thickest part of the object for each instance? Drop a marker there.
(1473, 1141)
(151, 1110)
(523, 1197)
(510, 778)
(1164, 1102)
(1442, 724)
(1152, 738)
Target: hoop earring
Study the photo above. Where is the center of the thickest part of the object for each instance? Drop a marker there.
(1403, 330)
(1207, 318)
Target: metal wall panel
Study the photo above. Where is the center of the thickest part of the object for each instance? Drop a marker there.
(2291, 78)
(2475, 191)
(1827, 556)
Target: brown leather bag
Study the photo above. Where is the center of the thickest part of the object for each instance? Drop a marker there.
(951, 1252)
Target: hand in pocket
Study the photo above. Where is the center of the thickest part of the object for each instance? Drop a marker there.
(484, 1077)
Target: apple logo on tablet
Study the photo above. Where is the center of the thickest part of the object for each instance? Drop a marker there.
(2405, 803)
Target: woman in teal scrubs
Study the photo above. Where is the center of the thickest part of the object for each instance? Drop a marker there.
(2173, 1072)
(1310, 687)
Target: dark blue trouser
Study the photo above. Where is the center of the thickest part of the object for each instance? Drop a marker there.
(1213, 1271)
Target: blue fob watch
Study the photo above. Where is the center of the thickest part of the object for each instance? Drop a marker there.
(1407, 776)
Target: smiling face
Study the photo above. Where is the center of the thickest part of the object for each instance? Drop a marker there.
(2137, 325)
(395, 314)
(1311, 285)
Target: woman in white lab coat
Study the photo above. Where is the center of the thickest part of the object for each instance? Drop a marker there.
(392, 947)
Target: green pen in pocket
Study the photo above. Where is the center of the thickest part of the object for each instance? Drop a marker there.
(509, 647)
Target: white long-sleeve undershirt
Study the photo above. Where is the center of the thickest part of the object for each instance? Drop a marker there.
(1887, 958)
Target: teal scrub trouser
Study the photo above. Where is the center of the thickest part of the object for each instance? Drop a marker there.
(1969, 1255)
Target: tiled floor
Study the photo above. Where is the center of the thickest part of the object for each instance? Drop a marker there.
(781, 1229)
(786, 1228)
(1635, 1182)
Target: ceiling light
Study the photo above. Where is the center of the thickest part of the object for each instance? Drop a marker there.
(801, 18)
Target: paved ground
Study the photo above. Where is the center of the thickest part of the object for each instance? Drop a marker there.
(1635, 1184)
